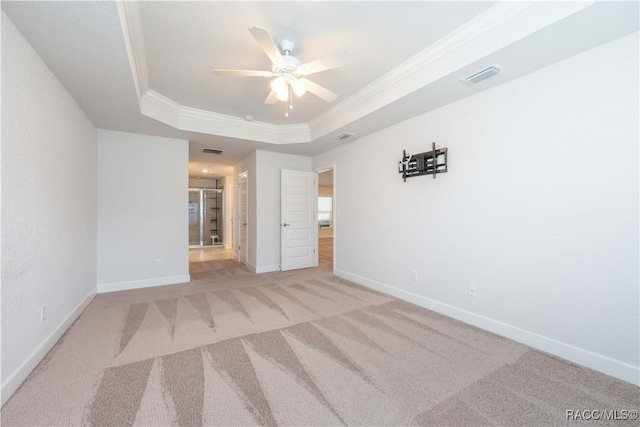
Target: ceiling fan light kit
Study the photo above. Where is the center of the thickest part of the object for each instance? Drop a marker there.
(283, 95)
(298, 88)
(279, 85)
(288, 71)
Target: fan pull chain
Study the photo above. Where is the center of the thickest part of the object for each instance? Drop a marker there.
(289, 101)
(290, 97)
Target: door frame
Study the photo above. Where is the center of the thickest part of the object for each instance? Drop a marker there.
(319, 170)
(242, 175)
(312, 204)
(201, 215)
(200, 219)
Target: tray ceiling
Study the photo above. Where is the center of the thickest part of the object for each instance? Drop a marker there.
(147, 67)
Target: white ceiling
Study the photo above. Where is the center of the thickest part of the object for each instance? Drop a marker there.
(185, 42)
(148, 67)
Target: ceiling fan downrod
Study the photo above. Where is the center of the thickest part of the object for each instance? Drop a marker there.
(287, 47)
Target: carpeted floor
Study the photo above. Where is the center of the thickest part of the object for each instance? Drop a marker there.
(295, 348)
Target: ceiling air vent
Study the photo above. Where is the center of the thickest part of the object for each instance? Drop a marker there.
(344, 135)
(482, 75)
(211, 151)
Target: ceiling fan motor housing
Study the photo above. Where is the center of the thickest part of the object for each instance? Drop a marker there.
(287, 46)
(289, 65)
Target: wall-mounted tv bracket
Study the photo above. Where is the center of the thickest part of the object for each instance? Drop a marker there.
(429, 163)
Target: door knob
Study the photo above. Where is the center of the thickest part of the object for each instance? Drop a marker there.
(285, 224)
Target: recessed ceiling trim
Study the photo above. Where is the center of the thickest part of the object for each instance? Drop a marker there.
(492, 30)
(131, 24)
(478, 25)
(165, 110)
(160, 108)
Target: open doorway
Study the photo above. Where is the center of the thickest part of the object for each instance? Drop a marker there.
(326, 218)
(243, 243)
(208, 221)
(206, 215)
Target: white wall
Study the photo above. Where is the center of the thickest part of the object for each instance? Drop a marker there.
(269, 166)
(48, 208)
(264, 205)
(142, 211)
(539, 210)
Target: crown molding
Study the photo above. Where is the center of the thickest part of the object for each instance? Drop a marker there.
(131, 24)
(165, 110)
(501, 25)
(483, 22)
(159, 107)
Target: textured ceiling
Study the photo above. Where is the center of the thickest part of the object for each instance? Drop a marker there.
(85, 45)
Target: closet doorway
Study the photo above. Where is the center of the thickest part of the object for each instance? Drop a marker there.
(206, 212)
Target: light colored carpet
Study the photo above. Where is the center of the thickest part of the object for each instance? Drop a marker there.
(295, 348)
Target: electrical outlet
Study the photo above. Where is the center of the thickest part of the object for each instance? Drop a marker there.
(473, 290)
(414, 275)
(158, 263)
(43, 313)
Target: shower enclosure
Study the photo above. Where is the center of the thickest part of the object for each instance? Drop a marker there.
(205, 217)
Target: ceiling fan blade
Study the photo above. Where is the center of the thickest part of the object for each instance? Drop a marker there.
(271, 98)
(266, 43)
(323, 64)
(246, 73)
(319, 91)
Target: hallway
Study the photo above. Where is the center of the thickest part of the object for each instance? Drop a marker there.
(211, 253)
(217, 253)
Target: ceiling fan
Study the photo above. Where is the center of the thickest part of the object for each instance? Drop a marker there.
(288, 71)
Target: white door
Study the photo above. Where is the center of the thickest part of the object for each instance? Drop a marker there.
(299, 228)
(244, 209)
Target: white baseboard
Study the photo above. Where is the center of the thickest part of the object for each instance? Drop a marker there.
(144, 283)
(16, 378)
(267, 268)
(581, 356)
(263, 268)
